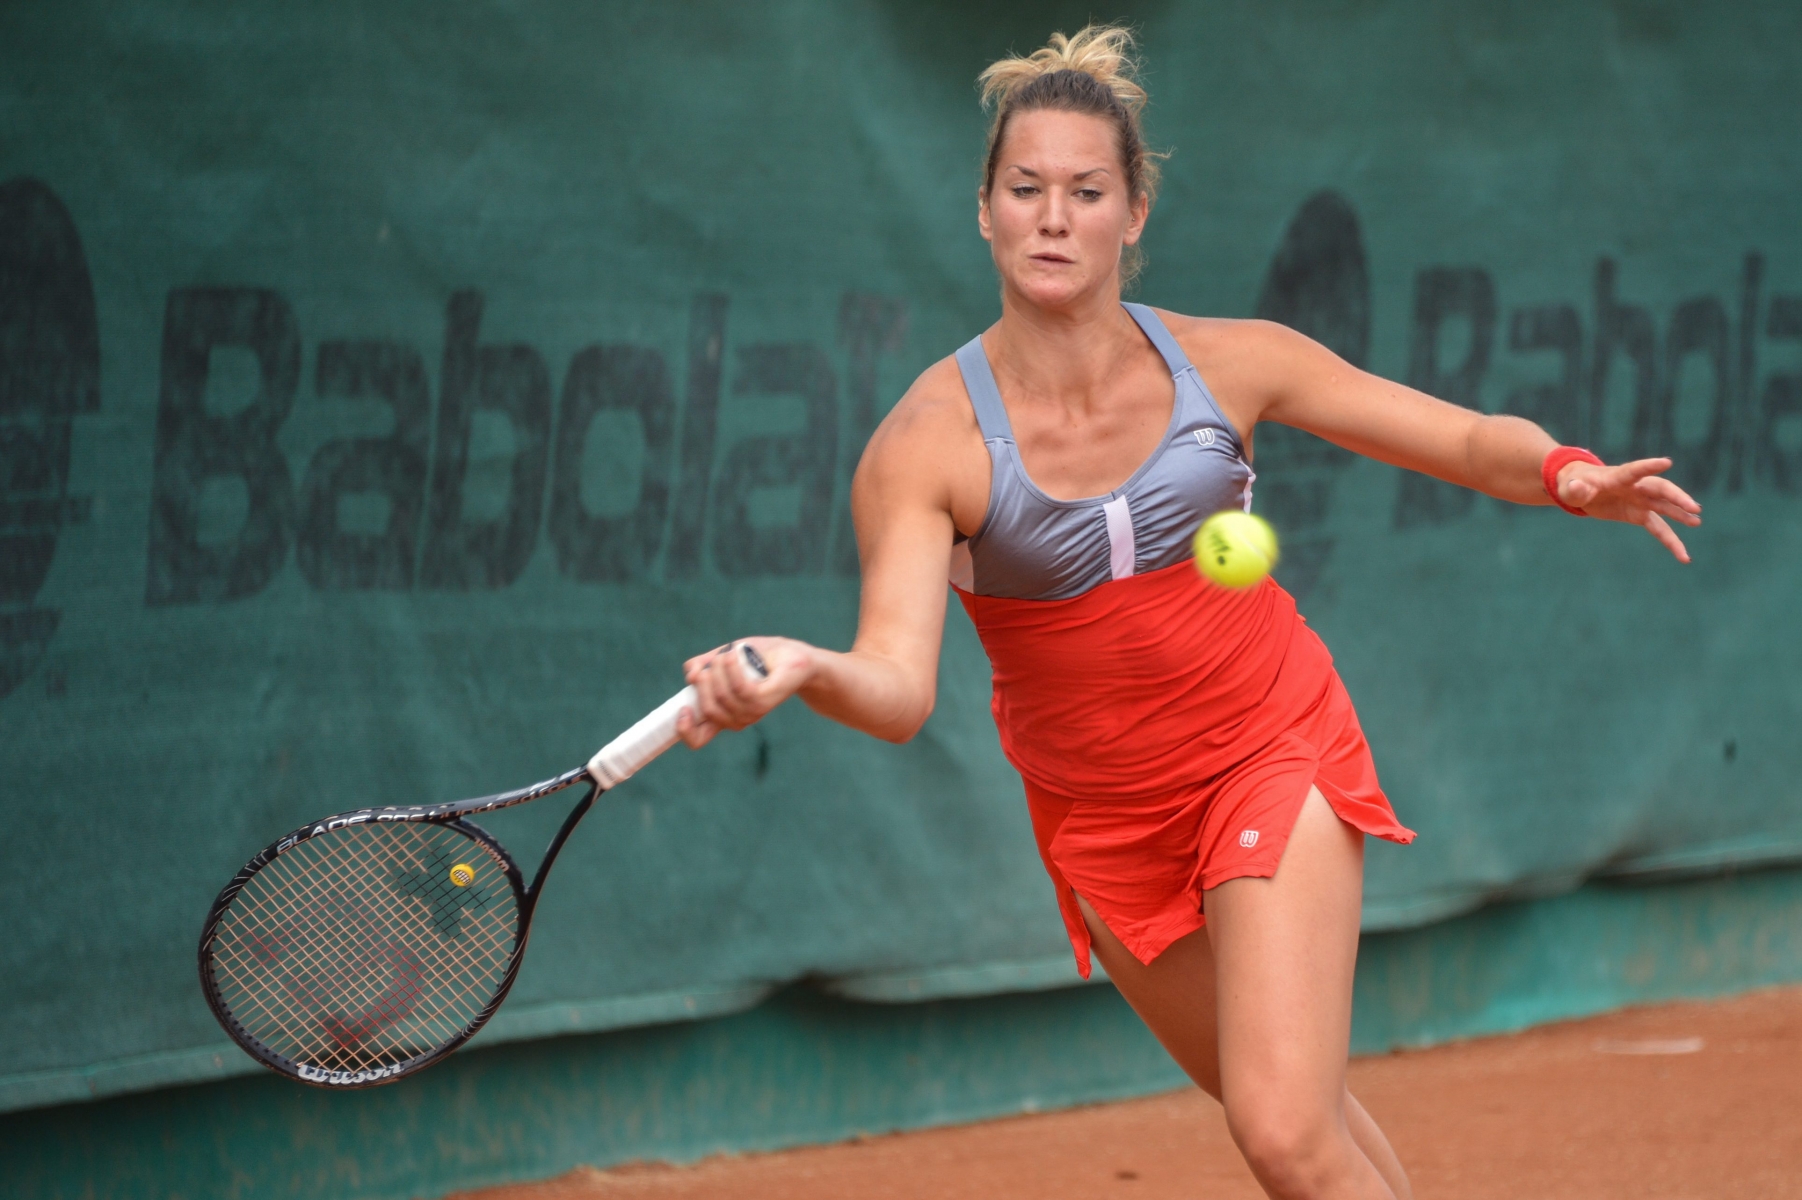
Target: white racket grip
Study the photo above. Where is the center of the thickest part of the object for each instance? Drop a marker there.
(654, 733)
(621, 758)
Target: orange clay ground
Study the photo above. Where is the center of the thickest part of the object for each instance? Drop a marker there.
(1681, 1100)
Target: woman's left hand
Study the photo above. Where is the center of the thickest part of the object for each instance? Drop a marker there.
(1632, 492)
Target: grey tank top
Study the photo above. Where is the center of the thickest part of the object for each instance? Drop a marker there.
(1031, 547)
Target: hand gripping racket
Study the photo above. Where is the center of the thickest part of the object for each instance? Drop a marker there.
(369, 945)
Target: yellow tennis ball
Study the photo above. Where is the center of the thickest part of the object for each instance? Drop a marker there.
(463, 874)
(1235, 549)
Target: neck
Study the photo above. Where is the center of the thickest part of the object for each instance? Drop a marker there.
(1064, 354)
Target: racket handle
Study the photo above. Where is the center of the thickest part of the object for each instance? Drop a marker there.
(654, 733)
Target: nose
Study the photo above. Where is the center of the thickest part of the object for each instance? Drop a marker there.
(1054, 215)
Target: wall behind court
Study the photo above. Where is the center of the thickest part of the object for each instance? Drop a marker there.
(390, 399)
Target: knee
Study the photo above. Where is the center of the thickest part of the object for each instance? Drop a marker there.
(1295, 1150)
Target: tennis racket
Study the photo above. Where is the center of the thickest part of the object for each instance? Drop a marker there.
(369, 945)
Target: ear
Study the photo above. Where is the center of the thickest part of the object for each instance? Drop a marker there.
(1138, 212)
(982, 215)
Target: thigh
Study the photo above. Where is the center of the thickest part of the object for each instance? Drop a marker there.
(1284, 950)
(1174, 996)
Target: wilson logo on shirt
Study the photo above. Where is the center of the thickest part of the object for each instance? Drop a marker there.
(1204, 437)
(1249, 838)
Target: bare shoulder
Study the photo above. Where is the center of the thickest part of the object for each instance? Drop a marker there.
(1249, 365)
(927, 456)
(1220, 340)
(932, 418)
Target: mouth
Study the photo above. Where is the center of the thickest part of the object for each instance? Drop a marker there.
(1048, 257)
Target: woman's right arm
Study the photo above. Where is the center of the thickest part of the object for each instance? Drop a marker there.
(901, 503)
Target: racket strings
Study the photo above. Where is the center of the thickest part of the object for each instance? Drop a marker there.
(355, 949)
(307, 1005)
(361, 976)
(340, 976)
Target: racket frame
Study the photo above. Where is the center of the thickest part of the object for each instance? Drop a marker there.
(452, 815)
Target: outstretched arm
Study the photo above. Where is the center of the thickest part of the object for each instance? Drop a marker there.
(886, 683)
(1308, 386)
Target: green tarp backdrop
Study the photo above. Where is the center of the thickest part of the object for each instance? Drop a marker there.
(391, 396)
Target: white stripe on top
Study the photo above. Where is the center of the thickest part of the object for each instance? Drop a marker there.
(1119, 536)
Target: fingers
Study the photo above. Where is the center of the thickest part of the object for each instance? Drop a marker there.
(1666, 536)
(1675, 513)
(731, 696)
(1664, 489)
(1587, 481)
(693, 731)
(691, 670)
(1637, 493)
(1639, 468)
(1626, 492)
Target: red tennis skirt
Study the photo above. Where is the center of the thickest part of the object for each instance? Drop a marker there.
(1168, 731)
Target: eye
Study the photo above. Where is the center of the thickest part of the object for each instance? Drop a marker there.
(1023, 190)
(1089, 194)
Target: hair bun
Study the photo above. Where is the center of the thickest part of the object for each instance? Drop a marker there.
(1102, 52)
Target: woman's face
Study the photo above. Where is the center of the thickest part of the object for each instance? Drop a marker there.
(1058, 214)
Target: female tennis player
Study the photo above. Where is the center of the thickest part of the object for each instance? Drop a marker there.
(1198, 782)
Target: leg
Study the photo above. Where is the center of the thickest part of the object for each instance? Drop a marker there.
(1175, 997)
(1284, 951)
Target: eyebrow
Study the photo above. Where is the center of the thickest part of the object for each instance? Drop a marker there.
(1078, 175)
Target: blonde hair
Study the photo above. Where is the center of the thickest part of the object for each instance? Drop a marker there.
(1092, 73)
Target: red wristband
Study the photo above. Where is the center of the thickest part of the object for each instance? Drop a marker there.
(1556, 461)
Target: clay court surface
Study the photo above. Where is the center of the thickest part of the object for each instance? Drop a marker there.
(1680, 1100)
